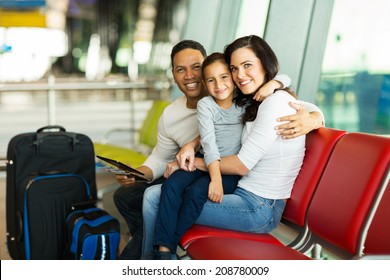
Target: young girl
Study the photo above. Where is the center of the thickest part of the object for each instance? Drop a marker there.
(184, 193)
(220, 125)
(268, 163)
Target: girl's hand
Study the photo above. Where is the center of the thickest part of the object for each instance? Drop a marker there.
(215, 192)
(186, 156)
(266, 90)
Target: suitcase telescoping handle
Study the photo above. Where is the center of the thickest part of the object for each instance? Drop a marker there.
(51, 128)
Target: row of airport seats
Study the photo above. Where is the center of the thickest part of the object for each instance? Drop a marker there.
(340, 202)
(146, 138)
(339, 199)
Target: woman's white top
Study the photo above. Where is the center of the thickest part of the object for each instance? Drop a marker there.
(273, 162)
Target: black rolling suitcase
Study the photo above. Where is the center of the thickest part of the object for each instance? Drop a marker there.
(47, 172)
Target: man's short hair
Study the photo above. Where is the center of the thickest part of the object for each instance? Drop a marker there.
(187, 44)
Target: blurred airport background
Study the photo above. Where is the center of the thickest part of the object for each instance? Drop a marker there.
(93, 65)
(97, 65)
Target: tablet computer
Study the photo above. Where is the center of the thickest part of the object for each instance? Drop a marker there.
(123, 168)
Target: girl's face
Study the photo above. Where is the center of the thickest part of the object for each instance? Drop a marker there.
(219, 82)
(247, 71)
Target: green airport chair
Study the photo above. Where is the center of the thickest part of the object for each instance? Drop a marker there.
(146, 139)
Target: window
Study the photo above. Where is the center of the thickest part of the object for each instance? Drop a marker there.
(253, 16)
(354, 91)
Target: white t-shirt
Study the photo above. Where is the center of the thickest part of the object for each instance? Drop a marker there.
(273, 162)
(177, 126)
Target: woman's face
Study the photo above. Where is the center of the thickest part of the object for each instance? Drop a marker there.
(219, 83)
(247, 71)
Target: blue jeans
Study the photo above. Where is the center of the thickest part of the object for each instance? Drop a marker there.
(241, 211)
(128, 200)
(150, 206)
(183, 195)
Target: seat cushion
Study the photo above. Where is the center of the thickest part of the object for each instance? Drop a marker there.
(225, 248)
(198, 231)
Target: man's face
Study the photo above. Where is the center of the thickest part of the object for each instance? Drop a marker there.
(187, 72)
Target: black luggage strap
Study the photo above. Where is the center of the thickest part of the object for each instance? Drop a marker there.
(54, 130)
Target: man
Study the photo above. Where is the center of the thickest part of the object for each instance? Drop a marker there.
(178, 126)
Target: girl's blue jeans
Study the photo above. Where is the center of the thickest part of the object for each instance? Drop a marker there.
(183, 195)
(241, 211)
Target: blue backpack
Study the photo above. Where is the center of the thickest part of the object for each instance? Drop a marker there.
(93, 234)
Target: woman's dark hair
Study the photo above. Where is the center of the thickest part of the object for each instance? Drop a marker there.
(269, 62)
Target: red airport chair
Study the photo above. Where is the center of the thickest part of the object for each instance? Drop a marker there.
(377, 243)
(319, 146)
(340, 213)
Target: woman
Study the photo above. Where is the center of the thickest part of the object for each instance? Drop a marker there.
(268, 163)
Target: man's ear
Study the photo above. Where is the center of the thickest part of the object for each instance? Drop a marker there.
(173, 76)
